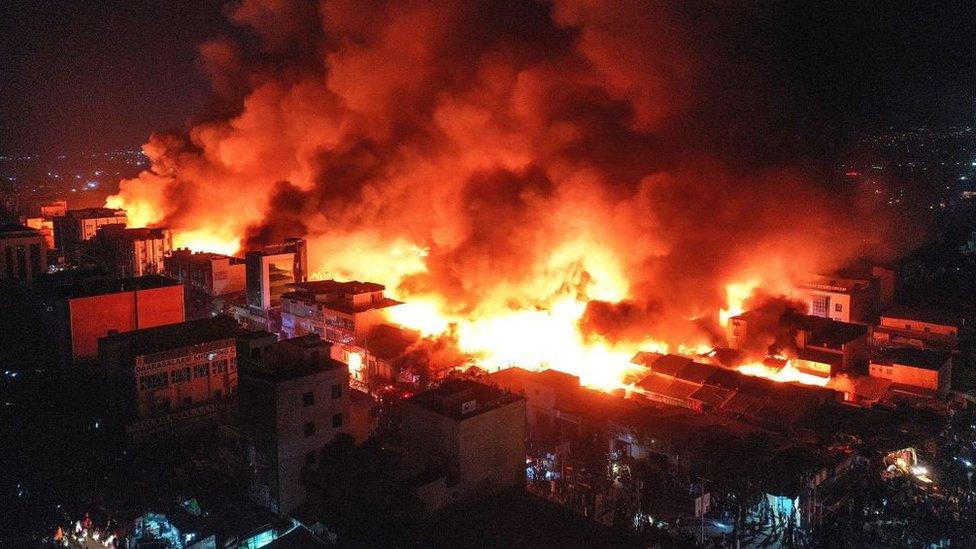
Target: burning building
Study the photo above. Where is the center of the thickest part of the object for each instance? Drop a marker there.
(535, 195)
(213, 274)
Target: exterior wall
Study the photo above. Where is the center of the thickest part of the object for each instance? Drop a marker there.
(182, 379)
(483, 451)
(22, 258)
(292, 416)
(934, 380)
(836, 300)
(263, 271)
(227, 278)
(93, 317)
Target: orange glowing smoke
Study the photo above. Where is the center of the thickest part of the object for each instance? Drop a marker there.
(545, 206)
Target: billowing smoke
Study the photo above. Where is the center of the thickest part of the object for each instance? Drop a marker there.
(503, 155)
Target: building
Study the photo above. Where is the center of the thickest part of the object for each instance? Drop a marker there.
(87, 309)
(78, 226)
(470, 436)
(170, 377)
(292, 404)
(211, 273)
(23, 254)
(58, 208)
(905, 327)
(132, 252)
(344, 313)
(45, 227)
(270, 270)
(844, 299)
(820, 346)
(914, 371)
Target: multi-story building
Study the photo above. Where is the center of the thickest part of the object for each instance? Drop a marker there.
(211, 273)
(344, 313)
(821, 346)
(78, 226)
(58, 208)
(23, 254)
(169, 377)
(270, 270)
(88, 309)
(471, 434)
(904, 327)
(292, 404)
(132, 252)
(43, 226)
(840, 298)
(914, 371)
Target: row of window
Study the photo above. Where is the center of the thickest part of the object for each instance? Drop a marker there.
(182, 375)
(309, 428)
(308, 399)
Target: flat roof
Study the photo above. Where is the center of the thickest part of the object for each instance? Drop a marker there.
(348, 287)
(453, 396)
(148, 341)
(16, 229)
(911, 356)
(187, 254)
(90, 287)
(932, 316)
(92, 213)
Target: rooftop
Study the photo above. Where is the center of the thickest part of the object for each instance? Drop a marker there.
(121, 232)
(176, 336)
(89, 287)
(829, 333)
(932, 316)
(187, 254)
(94, 213)
(912, 356)
(15, 229)
(330, 286)
(461, 399)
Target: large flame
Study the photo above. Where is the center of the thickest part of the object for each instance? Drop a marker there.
(561, 192)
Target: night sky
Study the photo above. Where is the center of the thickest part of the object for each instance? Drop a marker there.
(94, 75)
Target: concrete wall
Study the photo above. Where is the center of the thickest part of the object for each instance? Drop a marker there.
(95, 316)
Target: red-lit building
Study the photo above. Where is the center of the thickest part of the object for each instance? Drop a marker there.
(167, 377)
(88, 309)
(211, 273)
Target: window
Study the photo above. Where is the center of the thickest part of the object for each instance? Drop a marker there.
(220, 366)
(820, 305)
(232, 365)
(336, 391)
(308, 399)
(310, 458)
(179, 375)
(201, 370)
(337, 421)
(309, 428)
(839, 307)
(152, 381)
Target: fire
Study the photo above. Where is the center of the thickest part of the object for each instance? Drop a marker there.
(736, 295)
(205, 241)
(787, 374)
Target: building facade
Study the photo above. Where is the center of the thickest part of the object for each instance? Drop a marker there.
(132, 252)
(912, 370)
(78, 226)
(23, 254)
(840, 298)
(472, 434)
(169, 377)
(292, 404)
(89, 309)
(903, 327)
(343, 313)
(211, 273)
